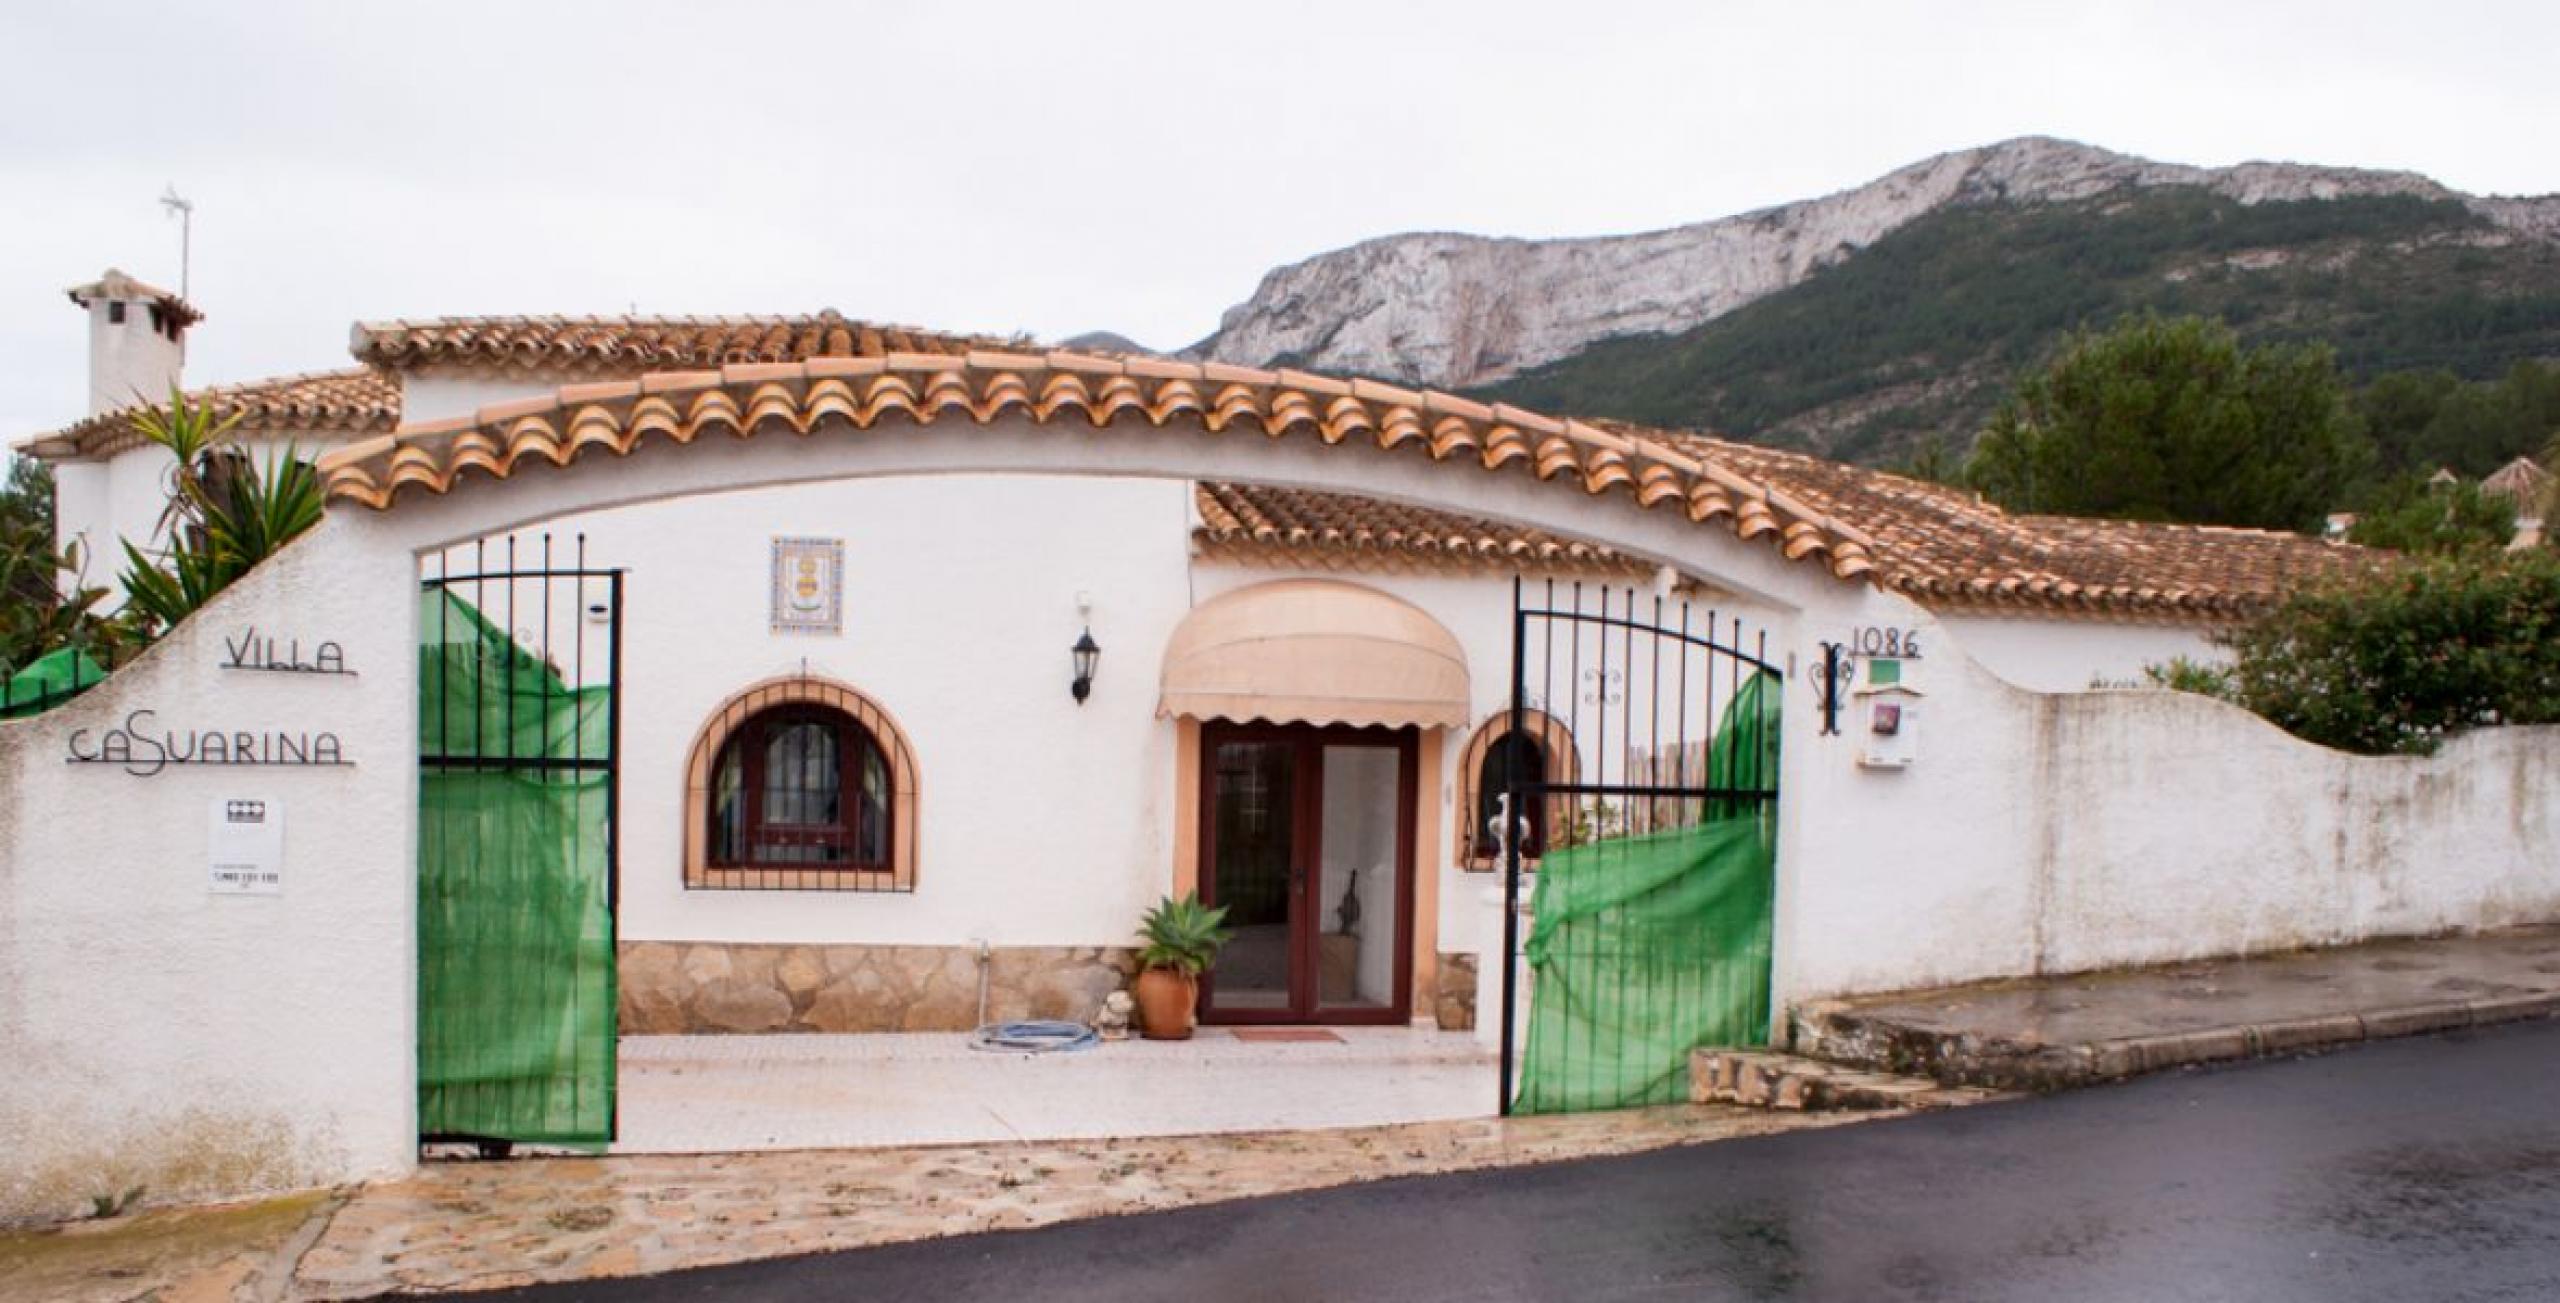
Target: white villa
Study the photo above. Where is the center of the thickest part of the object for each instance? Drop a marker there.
(961, 595)
(928, 646)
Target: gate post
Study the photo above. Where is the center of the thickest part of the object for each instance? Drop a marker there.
(1511, 849)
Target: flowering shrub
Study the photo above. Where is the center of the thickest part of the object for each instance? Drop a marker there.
(2397, 660)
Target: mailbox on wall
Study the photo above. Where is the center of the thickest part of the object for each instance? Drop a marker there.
(1888, 718)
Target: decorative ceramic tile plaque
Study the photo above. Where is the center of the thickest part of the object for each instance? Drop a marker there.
(808, 585)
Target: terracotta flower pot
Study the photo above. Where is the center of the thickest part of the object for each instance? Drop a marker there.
(1167, 1000)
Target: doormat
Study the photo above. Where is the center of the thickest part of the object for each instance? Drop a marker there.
(1286, 1034)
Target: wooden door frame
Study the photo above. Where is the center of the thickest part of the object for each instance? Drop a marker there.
(1306, 845)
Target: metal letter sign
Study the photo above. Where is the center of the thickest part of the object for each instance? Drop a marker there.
(245, 852)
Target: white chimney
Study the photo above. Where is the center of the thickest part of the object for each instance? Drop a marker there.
(137, 340)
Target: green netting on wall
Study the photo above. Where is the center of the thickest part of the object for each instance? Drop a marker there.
(48, 681)
(515, 921)
(1646, 947)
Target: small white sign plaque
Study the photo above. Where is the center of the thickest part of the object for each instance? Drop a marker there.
(245, 853)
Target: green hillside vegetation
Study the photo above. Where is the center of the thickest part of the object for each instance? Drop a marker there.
(1921, 334)
(2174, 419)
(2424, 421)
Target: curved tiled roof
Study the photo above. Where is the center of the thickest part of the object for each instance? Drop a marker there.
(1943, 547)
(981, 386)
(356, 401)
(598, 346)
(1261, 525)
(1947, 548)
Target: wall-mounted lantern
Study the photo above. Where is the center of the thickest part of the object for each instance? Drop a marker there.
(1088, 658)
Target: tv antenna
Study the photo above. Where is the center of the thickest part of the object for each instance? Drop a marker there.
(185, 211)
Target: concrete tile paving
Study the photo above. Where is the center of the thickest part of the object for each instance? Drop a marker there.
(713, 1094)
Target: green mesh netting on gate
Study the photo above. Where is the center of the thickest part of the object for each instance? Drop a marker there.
(1645, 947)
(515, 924)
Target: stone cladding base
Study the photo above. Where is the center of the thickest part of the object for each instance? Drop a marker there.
(686, 987)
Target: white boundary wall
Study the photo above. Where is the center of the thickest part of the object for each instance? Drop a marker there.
(2061, 833)
(2077, 655)
(155, 1033)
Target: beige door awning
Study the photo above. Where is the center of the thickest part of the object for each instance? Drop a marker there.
(1315, 651)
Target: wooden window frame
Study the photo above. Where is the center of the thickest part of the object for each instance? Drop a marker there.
(1564, 765)
(761, 702)
(855, 750)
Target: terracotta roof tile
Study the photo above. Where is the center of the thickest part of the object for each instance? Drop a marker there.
(983, 384)
(1943, 547)
(356, 401)
(680, 376)
(631, 345)
(1259, 525)
(1948, 548)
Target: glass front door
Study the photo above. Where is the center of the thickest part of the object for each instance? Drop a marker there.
(1307, 841)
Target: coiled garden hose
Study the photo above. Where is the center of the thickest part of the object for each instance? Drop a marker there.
(1035, 1037)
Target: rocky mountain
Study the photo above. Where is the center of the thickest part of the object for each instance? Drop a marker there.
(1913, 341)
(1466, 311)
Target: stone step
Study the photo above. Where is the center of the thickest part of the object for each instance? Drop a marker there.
(1769, 1079)
(1943, 1048)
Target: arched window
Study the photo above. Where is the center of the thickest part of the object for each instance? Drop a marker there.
(801, 784)
(1541, 751)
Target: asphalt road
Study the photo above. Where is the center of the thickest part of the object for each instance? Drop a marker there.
(2421, 1169)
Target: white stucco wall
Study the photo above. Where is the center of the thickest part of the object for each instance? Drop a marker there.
(1040, 822)
(2059, 833)
(2074, 655)
(129, 362)
(81, 520)
(137, 496)
(154, 1033)
(1856, 846)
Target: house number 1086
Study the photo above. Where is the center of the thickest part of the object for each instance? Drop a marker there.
(1871, 640)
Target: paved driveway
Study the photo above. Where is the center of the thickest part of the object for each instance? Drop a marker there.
(726, 1094)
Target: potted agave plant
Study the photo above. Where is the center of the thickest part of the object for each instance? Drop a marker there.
(1182, 938)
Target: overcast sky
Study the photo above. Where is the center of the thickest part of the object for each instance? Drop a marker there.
(1056, 168)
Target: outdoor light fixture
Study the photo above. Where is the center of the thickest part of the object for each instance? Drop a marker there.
(1088, 655)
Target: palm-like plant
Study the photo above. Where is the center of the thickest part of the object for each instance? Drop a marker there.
(1183, 935)
(227, 512)
(37, 615)
(192, 433)
(43, 606)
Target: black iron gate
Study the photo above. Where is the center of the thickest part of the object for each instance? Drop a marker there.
(1639, 797)
(519, 724)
